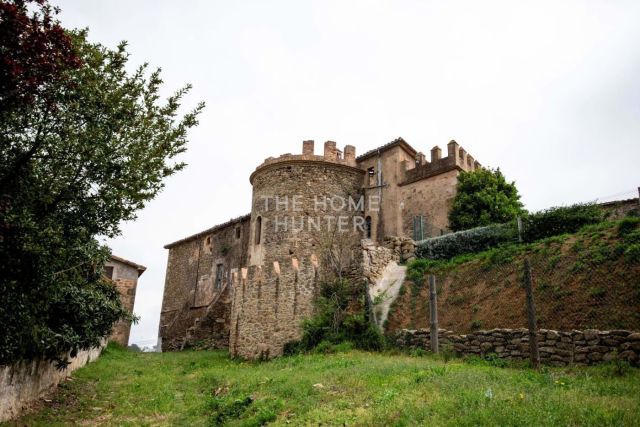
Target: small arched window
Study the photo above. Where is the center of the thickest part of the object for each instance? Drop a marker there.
(258, 231)
(367, 222)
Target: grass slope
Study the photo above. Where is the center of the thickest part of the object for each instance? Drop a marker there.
(351, 388)
(586, 280)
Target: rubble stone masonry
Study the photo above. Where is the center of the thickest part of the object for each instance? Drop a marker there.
(558, 348)
(285, 248)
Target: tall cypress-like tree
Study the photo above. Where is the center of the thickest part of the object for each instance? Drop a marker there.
(484, 197)
(84, 144)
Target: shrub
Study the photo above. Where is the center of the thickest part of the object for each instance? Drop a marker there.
(325, 347)
(560, 220)
(417, 269)
(628, 225)
(547, 224)
(337, 322)
(465, 242)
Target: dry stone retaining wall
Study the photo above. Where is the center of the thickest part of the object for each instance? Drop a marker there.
(375, 259)
(557, 348)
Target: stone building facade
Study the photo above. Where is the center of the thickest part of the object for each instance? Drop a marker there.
(249, 283)
(124, 275)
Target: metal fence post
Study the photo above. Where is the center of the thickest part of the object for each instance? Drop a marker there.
(433, 309)
(531, 316)
(519, 222)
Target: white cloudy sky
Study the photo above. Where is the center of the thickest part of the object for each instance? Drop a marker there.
(547, 91)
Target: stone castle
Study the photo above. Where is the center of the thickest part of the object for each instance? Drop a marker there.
(248, 283)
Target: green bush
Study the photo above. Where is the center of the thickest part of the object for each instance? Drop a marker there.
(560, 220)
(628, 225)
(336, 324)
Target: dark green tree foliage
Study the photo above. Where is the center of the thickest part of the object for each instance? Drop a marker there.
(484, 197)
(81, 150)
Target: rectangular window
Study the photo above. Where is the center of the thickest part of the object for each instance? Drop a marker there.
(108, 272)
(219, 276)
(418, 228)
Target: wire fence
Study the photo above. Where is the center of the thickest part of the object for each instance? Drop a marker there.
(569, 293)
(575, 308)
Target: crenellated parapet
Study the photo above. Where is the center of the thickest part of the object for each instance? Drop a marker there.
(331, 155)
(269, 304)
(457, 158)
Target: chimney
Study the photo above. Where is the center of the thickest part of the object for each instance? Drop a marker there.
(330, 151)
(307, 147)
(420, 159)
(436, 154)
(350, 154)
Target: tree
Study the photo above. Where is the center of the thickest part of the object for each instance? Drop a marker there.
(484, 197)
(35, 51)
(81, 150)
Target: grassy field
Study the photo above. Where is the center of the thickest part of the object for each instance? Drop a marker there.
(348, 388)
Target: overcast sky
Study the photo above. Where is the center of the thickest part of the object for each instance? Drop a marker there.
(547, 91)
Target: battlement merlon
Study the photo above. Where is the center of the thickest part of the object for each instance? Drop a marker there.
(261, 274)
(331, 155)
(457, 158)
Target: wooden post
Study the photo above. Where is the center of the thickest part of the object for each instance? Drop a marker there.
(433, 308)
(531, 316)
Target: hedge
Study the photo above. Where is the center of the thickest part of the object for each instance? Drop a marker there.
(560, 220)
(467, 241)
(536, 226)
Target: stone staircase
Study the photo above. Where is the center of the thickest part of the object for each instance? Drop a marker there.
(196, 322)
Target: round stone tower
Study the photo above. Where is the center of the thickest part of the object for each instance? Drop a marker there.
(300, 199)
(306, 223)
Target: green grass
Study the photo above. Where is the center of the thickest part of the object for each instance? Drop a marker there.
(350, 388)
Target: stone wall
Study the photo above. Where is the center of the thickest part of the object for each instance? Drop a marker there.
(288, 255)
(387, 166)
(402, 248)
(375, 259)
(620, 208)
(125, 278)
(269, 304)
(26, 381)
(558, 348)
(430, 198)
(191, 284)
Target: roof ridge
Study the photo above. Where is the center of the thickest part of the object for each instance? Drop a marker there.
(398, 140)
(208, 230)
